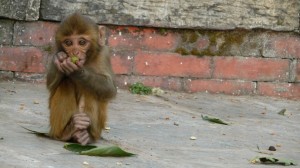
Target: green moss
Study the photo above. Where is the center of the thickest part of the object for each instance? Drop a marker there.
(193, 37)
(228, 39)
(195, 51)
(182, 51)
(220, 42)
(206, 52)
(162, 32)
(189, 36)
(184, 37)
(48, 48)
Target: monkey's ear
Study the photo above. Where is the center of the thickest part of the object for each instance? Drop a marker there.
(102, 37)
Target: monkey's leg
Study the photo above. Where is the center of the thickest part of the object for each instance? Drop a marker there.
(62, 104)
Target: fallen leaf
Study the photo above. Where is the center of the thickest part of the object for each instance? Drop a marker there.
(41, 130)
(282, 112)
(77, 147)
(272, 160)
(214, 120)
(91, 150)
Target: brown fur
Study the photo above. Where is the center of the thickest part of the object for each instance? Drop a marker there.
(95, 83)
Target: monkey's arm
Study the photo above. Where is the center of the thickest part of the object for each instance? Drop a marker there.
(101, 84)
(98, 76)
(54, 77)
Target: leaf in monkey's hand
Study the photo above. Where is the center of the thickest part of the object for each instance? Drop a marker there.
(214, 120)
(38, 130)
(74, 58)
(91, 150)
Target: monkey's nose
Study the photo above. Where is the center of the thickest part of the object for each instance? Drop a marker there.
(75, 52)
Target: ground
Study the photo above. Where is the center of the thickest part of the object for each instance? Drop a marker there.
(156, 128)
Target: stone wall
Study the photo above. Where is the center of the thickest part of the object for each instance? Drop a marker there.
(232, 47)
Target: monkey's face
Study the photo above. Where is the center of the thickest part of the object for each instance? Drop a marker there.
(76, 45)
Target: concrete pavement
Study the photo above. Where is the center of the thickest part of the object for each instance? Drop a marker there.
(157, 129)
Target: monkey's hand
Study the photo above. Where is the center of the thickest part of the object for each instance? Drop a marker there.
(68, 66)
(81, 121)
(78, 123)
(82, 137)
(59, 58)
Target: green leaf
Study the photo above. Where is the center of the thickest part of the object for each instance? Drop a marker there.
(139, 88)
(42, 130)
(282, 112)
(214, 120)
(74, 59)
(272, 160)
(77, 147)
(107, 151)
(90, 150)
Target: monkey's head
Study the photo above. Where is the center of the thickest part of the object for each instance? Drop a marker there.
(78, 36)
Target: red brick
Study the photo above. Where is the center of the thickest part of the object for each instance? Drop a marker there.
(286, 90)
(135, 31)
(171, 64)
(121, 64)
(250, 68)
(141, 38)
(124, 42)
(152, 40)
(232, 87)
(164, 83)
(34, 33)
(22, 59)
(284, 46)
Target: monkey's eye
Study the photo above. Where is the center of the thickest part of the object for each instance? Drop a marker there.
(82, 42)
(68, 42)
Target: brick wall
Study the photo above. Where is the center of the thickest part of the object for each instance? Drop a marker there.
(237, 62)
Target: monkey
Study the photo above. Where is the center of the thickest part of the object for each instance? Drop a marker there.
(80, 81)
